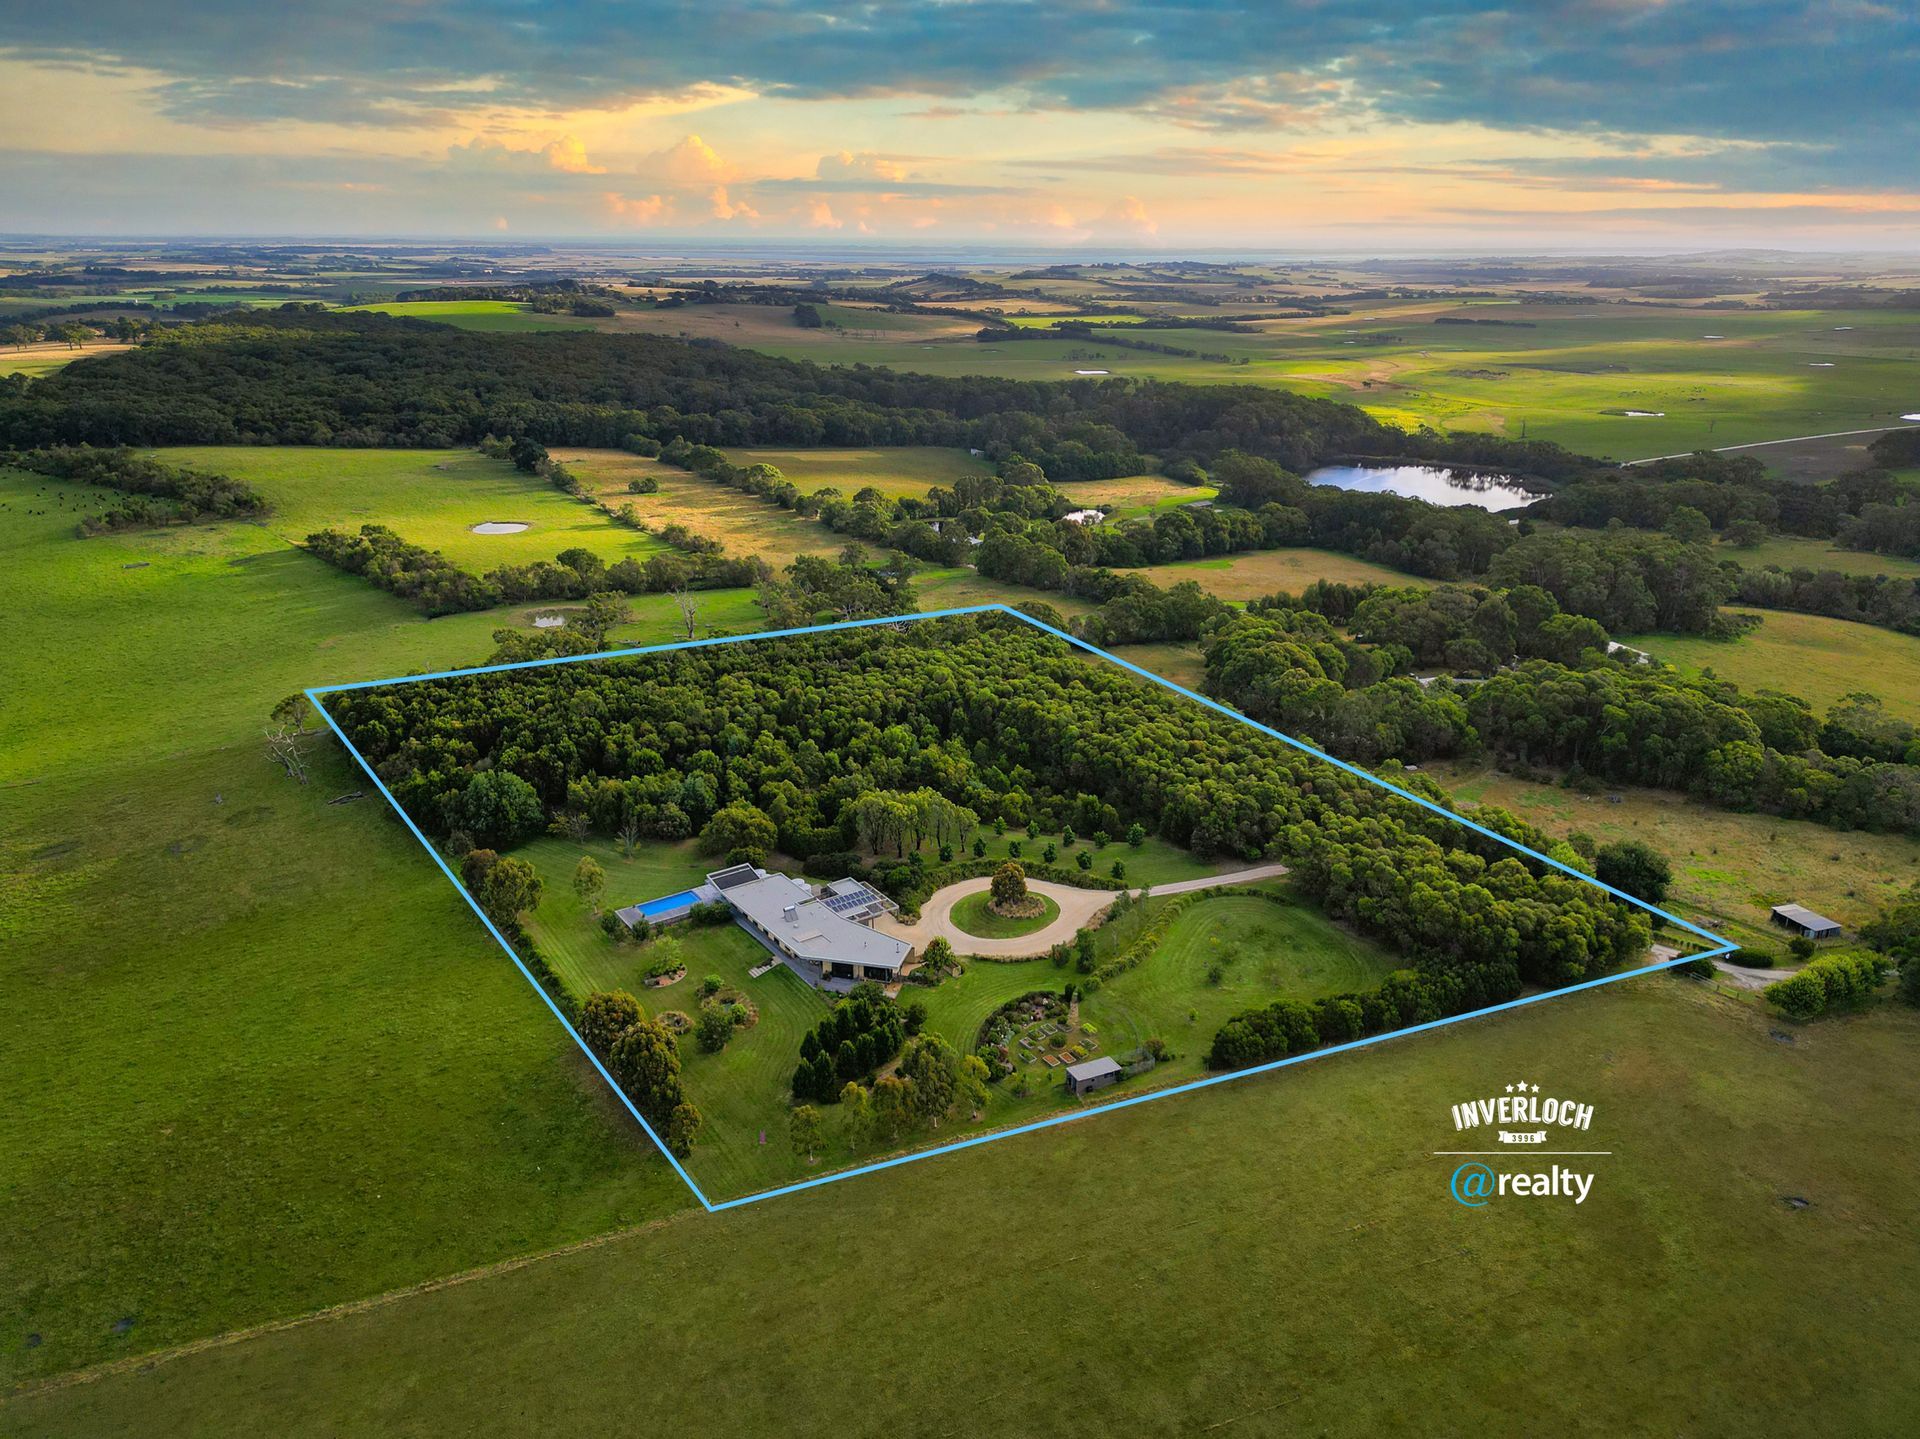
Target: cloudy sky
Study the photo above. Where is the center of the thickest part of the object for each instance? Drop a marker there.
(1179, 123)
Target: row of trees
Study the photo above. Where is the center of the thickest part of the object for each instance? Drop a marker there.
(156, 493)
(299, 375)
(643, 1056)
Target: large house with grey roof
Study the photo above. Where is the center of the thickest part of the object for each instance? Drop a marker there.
(824, 935)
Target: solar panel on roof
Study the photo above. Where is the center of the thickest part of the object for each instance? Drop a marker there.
(728, 878)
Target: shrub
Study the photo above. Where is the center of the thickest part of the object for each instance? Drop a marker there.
(1837, 979)
(715, 1027)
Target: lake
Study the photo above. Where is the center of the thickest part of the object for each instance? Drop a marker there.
(1426, 482)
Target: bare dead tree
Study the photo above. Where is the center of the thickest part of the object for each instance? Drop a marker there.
(629, 837)
(283, 748)
(689, 612)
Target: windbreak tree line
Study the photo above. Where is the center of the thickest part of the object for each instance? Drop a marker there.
(299, 375)
(1544, 691)
(1002, 721)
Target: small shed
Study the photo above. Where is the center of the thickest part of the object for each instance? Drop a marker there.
(1092, 1074)
(1802, 920)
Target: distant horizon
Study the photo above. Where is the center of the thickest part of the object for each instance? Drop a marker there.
(696, 245)
(1615, 125)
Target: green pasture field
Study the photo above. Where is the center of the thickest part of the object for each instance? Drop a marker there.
(952, 589)
(898, 472)
(870, 336)
(430, 498)
(745, 524)
(1176, 660)
(1254, 1257)
(1136, 496)
(34, 361)
(1820, 659)
(1795, 552)
(1242, 577)
(1554, 375)
(488, 315)
(973, 916)
(1729, 868)
(273, 1062)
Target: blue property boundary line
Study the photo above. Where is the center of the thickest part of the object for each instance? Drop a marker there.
(1722, 946)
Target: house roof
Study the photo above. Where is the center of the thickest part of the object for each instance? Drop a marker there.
(1093, 1068)
(1805, 917)
(785, 909)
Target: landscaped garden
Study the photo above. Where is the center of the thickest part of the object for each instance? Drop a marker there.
(756, 1078)
(977, 915)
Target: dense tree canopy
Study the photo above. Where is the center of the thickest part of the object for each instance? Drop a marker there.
(996, 718)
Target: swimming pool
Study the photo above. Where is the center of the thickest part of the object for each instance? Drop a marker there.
(654, 908)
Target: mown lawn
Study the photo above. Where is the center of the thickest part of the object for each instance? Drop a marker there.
(742, 1092)
(1226, 954)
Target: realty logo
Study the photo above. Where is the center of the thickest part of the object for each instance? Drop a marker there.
(1478, 1182)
